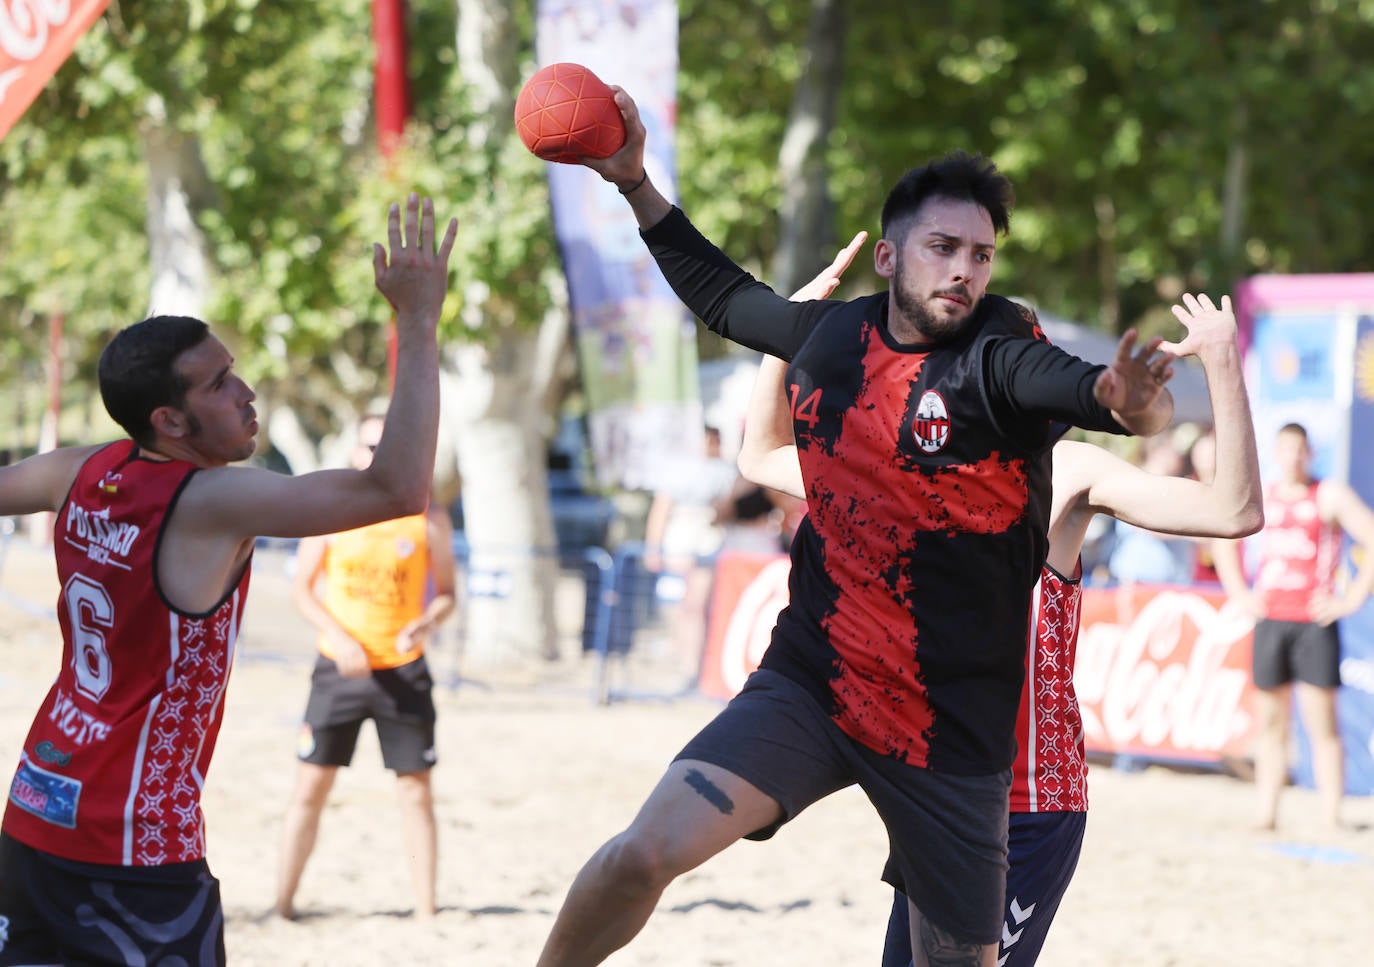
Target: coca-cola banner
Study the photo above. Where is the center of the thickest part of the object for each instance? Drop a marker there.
(1164, 672)
(35, 38)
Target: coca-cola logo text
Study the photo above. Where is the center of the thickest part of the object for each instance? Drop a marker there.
(25, 24)
(1170, 677)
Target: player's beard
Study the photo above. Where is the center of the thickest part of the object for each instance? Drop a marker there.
(917, 312)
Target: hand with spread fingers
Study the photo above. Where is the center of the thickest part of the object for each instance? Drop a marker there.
(1132, 387)
(411, 273)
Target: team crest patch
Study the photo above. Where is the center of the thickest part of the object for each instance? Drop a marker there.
(931, 425)
(404, 547)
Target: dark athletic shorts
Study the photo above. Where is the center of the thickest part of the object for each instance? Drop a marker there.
(948, 833)
(1043, 849)
(400, 702)
(57, 911)
(1286, 651)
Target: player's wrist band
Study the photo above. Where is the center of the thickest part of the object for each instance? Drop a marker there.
(642, 178)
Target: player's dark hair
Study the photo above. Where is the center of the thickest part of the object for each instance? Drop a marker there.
(138, 371)
(1297, 429)
(959, 176)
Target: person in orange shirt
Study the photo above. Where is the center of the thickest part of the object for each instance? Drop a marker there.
(374, 620)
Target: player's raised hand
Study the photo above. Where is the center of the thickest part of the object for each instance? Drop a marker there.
(410, 272)
(1136, 377)
(829, 278)
(1207, 325)
(626, 166)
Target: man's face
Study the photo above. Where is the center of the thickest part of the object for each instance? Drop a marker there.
(941, 268)
(1292, 456)
(220, 421)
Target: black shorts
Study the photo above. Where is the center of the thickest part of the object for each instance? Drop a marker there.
(1286, 651)
(948, 833)
(57, 911)
(400, 702)
(1044, 850)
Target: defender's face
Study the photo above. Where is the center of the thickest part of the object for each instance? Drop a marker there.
(941, 269)
(220, 420)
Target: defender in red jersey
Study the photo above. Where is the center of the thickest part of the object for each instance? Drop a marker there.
(1049, 796)
(1296, 604)
(922, 416)
(102, 852)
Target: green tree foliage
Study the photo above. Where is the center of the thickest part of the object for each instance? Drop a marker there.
(1155, 145)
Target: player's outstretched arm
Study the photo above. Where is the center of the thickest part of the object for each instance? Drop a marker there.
(1232, 504)
(411, 271)
(40, 482)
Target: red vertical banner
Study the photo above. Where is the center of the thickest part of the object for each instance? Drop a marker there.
(391, 93)
(35, 38)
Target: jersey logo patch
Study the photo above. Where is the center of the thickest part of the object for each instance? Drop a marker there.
(45, 794)
(931, 425)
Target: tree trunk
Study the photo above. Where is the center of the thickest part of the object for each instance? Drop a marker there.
(494, 407)
(806, 226)
(178, 187)
(513, 562)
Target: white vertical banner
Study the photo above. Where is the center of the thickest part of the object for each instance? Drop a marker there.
(636, 344)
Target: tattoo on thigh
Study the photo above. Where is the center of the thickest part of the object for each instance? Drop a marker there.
(942, 950)
(709, 791)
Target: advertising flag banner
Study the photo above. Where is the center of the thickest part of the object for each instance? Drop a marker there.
(36, 36)
(1311, 361)
(636, 345)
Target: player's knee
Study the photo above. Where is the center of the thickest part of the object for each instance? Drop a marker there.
(638, 863)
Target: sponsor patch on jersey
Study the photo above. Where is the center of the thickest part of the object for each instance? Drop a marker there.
(931, 425)
(45, 794)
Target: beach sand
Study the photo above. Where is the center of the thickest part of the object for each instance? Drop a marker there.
(534, 776)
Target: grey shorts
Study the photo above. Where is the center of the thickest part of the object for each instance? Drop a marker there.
(1286, 651)
(948, 833)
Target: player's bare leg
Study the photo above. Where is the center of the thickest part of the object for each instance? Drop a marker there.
(1271, 753)
(299, 829)
(421, 838)
(1318, 709)
(696, 811)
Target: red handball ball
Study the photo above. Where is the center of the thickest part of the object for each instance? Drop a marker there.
(565, 112)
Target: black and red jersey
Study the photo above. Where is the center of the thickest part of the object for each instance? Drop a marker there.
(927, 470)
(112, 768)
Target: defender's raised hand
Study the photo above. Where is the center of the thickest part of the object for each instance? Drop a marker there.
(829, 278)
(1207, 325)
(413, 275)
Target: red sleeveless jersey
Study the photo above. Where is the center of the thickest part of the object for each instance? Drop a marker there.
(1051, 771)
(112, 769)
(1298, 556)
